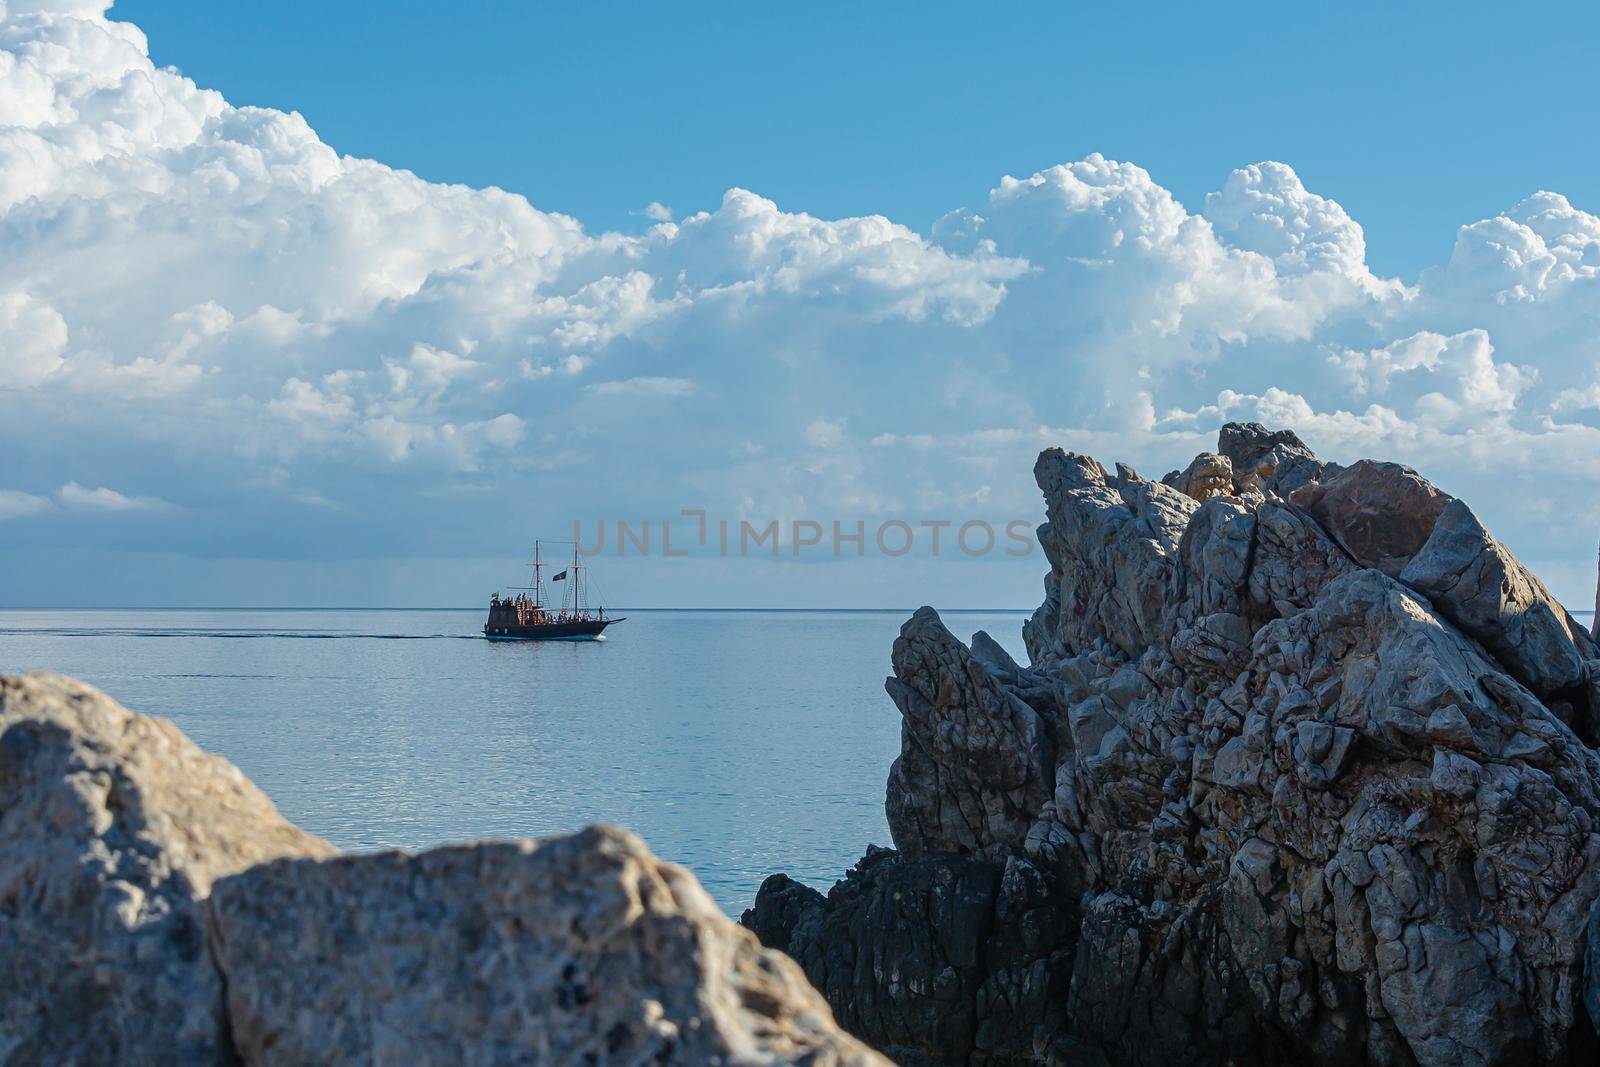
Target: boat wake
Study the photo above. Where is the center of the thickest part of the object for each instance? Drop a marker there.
(293, 635)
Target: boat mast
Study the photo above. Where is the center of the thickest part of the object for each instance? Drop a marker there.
(538, 585)
(577, 587)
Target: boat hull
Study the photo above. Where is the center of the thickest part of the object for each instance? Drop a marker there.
(576, 630)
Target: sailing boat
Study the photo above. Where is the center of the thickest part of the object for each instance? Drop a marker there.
(525, 618)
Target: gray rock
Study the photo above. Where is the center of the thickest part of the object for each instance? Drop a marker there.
(1112, 543)
(1249, 444)
(1207, 475)
(1216, 551)
(583, 949)
(974, 763)
(1476, 583)
(113, 827)
(1293, 561)
(1274, 460)
(785, 904)
(156, 909)
(1321, 790)
(988, 651)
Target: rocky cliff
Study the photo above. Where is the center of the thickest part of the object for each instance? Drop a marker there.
(1302, 769)
(155, 910)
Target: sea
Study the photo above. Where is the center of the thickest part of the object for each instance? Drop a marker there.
(736, 743)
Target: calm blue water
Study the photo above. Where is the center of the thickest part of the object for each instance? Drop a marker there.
(735, 743)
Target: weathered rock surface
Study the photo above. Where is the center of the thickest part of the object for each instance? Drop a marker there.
(952, 705)
(155, 909)
(113, 827)
(1207, 475)
(1270, 459)
(582, 949)
(1320, 788)
(1380, 513)
(1481, 587)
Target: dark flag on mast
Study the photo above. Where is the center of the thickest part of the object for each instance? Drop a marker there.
(560, 577)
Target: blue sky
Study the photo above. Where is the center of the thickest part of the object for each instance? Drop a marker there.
(343, 304)
(907, 109)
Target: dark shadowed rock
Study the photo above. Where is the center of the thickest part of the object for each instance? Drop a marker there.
(781, 905)
(976, 947)
(987, 650)
(1320, 792)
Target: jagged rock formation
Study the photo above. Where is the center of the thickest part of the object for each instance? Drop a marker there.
(155, 909)
(1301, 770)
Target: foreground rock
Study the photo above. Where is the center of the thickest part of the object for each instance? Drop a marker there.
(1301, 770)
(155, 909)
(583, 949)
(113, 827)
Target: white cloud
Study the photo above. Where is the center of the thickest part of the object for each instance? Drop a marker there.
(33, 340)
(431, 369)
(304, 403)
(1542, 248)
(461, 447)
(73, 495)
(1107, 242)
(1263, 208)
(209, 295)
(1450, 377)
(19, 505)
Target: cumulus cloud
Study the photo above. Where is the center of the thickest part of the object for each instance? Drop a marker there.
(1266, 261)
(33, 339)
(1263, 208)
(210, 302)
(1458, 376)
(1542, 249)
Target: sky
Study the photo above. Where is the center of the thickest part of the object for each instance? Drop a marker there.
(344, 304)
(906, 110)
